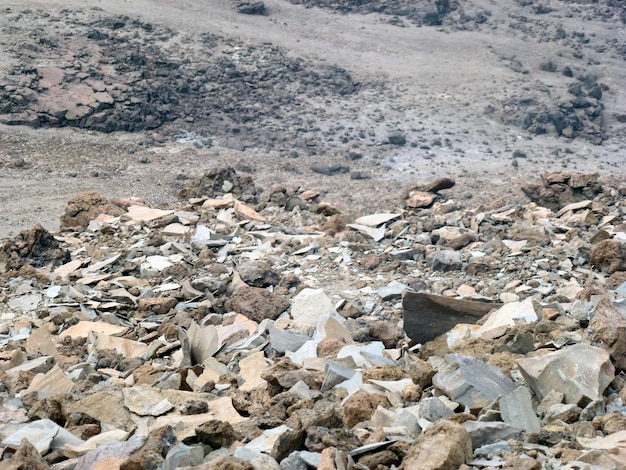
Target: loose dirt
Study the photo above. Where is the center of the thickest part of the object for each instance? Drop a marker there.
(491, 94)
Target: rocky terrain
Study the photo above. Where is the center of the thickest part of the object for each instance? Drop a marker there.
(312, 234)
(236, 330)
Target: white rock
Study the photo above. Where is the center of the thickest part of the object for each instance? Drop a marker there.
(309, 305)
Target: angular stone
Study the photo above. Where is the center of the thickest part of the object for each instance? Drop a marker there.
(374, 220)
(310, 305)
(489, 432)
(146, 214)
(83, 328)
(146, 401)
(434, 409)
(609, 256)
(158, 305)
(258, 274)
(445, 260)
(419, 199)
(580, 381)
(427, 316)
(250, 371)
(361, 406)
(471, 382)
(516, 409)
(53, 382)
(443, 446)
(608, 330)
(393, 290)
(257, 304)
(506, 316)
(86, 207)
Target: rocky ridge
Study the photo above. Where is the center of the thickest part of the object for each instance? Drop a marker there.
(249, 329)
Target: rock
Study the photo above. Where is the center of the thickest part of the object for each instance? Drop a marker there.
(152, 453)
(471, 382)
(559, 189)
(609, 256)
(488, 432)
(383, 458)
(160, 306)
(393, 290)
(217, 434)
(396, 139)
(419, 199)
(227, 463)
(319, 438)
(258, 274)
(219, 181)
(310, 305)
(437, 185)
(86, 207)
(251, 8)
(387, 332)
(257, 304)
(516, 409)
(360, 407)
(433, 409)
(427, 316)
(26, 457)
(443, 446)
(580, 382)
(35, 247)
(608, 330)
(561, 412)
(110, 455)
(445, 261)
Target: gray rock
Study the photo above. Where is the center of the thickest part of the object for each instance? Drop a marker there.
(393, 290)
(516, 409)
(489, 432)
(433, 409)
(445, 260)
(258, 274)
(182, 455)
(471, 382)
(282, 341)
(580, 381)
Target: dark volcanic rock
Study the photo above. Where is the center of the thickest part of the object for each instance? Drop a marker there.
(35, 247)
(219, 181)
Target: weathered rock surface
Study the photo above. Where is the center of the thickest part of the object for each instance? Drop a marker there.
(443, 446)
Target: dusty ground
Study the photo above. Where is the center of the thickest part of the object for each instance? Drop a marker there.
(309, 87)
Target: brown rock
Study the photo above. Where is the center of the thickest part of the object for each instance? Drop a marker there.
(609, 256)
(443, 446)
(330, 457)
(616, 279)
(329, 347)
(384, 458)
(361, 406)
(257, 304)
(258, 274)
(160, 305)
(610, 423)
(608, 330)
(419, 199)
(319, 438)
(334, 225)
(152, 453)
(26, 458)
(218, 181)
(420, 371)
(437, 185)
(85, 207)
(386, 372)
(519, 463)
(285, 374)
(217, 434)
(387, 332)
(35, 247)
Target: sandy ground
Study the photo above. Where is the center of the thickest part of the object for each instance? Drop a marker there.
(437, 82)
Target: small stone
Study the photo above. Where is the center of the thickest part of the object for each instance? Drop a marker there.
(310, 305)
(516, 409)
(160, 306)
(445, 260)
(360, 407)
(257, 304)
(488, 432)
(443, 446)
(388, 332)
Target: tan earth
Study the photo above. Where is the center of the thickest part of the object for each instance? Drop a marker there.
(433, 83)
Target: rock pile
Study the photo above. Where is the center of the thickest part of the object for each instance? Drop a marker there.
(275, 334)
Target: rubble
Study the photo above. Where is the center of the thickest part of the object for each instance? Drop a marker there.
(253, 339)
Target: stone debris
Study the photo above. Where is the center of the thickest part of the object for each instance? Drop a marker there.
(233, 331)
